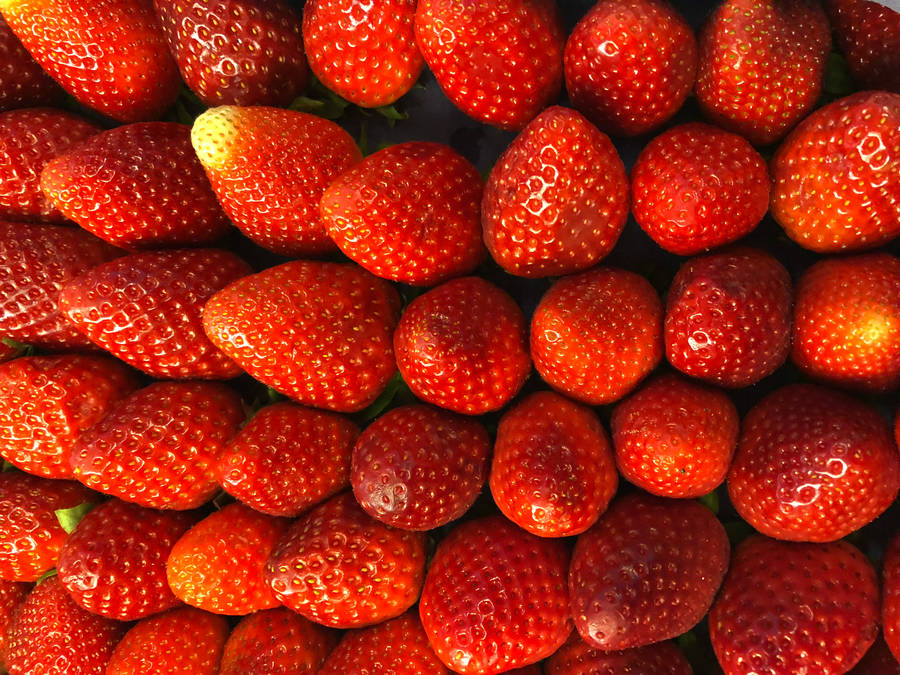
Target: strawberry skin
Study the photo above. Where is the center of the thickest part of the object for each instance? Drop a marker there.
(868, 34)
(890, 604)
(23, 83)
(13, 594)
(577, 657)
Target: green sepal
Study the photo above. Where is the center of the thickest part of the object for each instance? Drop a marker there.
(19, 348)
(49, 574)
(838, 80)
(710, 501)
(380, 404)
(7, 466)
(69, 518)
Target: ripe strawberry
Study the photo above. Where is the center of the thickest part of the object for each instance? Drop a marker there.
(878, 661)
(408, 213)
(837, 176)
(463, 346)
(728, 317)
(46, 402)
(813, 464)
(596, 335)
(675, 437)
(630, 64)
(317, 332)
(577, 657)
(136, 186)
(418, 468)
(12, 595)
(647, 571)
(793, 608)
(23, 83)
(868, 34)
(159, 446)
(890, 604)
(697, 187)
(240, 52)
(553, 471)
(366, 53)
(339, 567)
(145, 309)
(288, 458)
(761, 67)
(109, 54)
(269, 168)
(557, 199)
(499, 61)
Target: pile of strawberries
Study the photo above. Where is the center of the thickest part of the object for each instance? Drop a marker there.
(273, 403)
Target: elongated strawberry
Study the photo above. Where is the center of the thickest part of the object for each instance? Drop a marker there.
(890, 602)
(868, 33)
(12, 595)
(23, 83)
(577, 657)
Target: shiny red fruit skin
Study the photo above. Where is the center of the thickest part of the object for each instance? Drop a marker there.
(557, 199)
(23, 83)
(890, 601)
(12, 595)
(577, 657)
(868, 34)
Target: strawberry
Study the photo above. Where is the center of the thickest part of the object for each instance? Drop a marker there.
(495, 597)
(890, 605)
(408, 213)
(728, 317)
(761, 66)
(462, 346)
(317, 332)
(288, 458)
(596, 335)
(793, 608)
(365, 53)
(109, 54)
(868, 34)
(557, 199)
(269, 168)
(260, 62)
(158, 447)
(145, 309)
(339, 567)
(577, 657)
(630, 64)
(813, 464)
(499, 61)
(418, 467)
(647, 571)
(136, 186)
(837, 176)
(23, 83)
(12, 595)
(219, 564)
(553, 471)
(697, 187)
(46, 402)
(675, 437)
(877, 661)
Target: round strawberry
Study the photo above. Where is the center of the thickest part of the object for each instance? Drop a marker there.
(890, 604)
(577, 657)
(868, 34)
(23, 83)
(12, 595)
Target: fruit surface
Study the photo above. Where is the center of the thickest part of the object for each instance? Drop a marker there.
(577, 657)
(23, 83)
(12, 594)
(890, 601)
(868, 34)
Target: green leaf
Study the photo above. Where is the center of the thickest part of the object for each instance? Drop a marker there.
(363, 141)
(383, 401)
(391, 113)
(49, 574)
(710, 501)
(838, 80)
(7, 466)
(19, 348)
(69, 518)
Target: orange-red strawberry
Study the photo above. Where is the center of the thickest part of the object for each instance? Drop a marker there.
(577, 657)
(317, 332)
(23, 83)
(890, 603)
(868, 33)
(12, 594)
(136, 186)
(878, 661)
(630, 64)
(557, 199)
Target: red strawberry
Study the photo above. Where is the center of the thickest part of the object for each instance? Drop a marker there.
(318, 332)
(647, 571)
(793, 608)
(890, 606)
(408, 213)
(675, 437)
(499, 61)
(288, 458)
(813, 464)
(596, 335)
(366, 53)
(553, 471)
(728, 317)
(836, 178)
(630, 64)
(557, 199)
(241, 52)
(109, 54)
(868, 33)
(339, 567)
(577, 657)
(23, 83)
(418, 468)
(136, 186)
(462, 346)
(159, 446)
(697, 187)
(145, 309)
(761, 66)
(495, 597)
(269, 168)
(12, 595)
(877, 661)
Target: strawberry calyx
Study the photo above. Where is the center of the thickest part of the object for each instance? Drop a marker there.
(69, 518)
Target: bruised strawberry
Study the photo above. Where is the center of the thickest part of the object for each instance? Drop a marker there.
(23, 83)
(577, 657)
(890, 604)
(557, 199)
(868, 33)
(13, 594)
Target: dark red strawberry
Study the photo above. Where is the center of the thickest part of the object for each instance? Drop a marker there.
(23, 83)
(556, 201)
(340, 567)
(418, 468)
(630, 64)
(463, 346)
(878, 661)
(577, 657)
(317, 332)
(408, 213)
(12, 595)
(890, 603)
(868, 33)
(697, 187)
(596, 335)
(499, 61)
